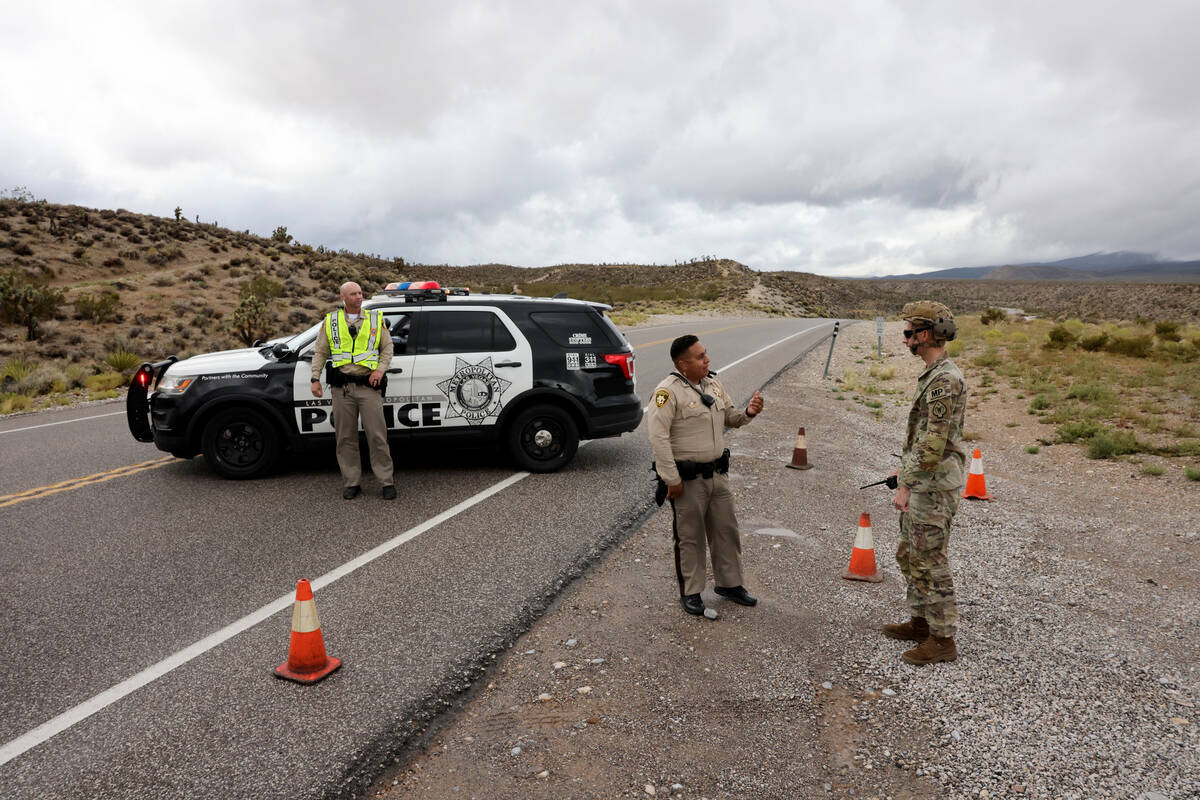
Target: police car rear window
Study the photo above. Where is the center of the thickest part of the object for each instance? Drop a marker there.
(572, 328)
(466, 332)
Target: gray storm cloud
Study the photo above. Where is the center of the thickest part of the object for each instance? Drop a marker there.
(874, 138)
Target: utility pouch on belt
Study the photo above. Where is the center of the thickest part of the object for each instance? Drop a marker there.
(334, 377)
(660, 486)
(690, 470)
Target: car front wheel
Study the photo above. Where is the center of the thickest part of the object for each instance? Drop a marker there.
(543, 439)
(240, 443)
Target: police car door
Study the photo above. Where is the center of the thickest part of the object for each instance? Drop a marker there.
(314, 416)
(472, 362)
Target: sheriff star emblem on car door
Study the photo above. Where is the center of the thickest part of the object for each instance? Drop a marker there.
(474, 391)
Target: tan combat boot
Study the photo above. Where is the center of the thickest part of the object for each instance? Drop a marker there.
(915, 630)
(931, 651)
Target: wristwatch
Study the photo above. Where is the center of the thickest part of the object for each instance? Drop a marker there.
(315, 380)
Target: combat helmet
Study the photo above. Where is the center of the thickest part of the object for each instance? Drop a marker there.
(931, 314)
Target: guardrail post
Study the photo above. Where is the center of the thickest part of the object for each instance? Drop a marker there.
(832, 339)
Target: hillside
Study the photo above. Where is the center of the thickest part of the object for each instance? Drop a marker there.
(1107, 267)
(153, 286)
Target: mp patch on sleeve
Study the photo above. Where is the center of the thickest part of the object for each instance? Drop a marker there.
(661, 397)
(938, 391)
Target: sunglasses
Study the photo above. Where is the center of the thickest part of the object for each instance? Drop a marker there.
(908, 333)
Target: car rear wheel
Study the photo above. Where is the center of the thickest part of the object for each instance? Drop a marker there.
(240, 443)
(543, 439)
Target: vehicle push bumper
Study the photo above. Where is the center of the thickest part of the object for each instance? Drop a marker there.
(137, 401)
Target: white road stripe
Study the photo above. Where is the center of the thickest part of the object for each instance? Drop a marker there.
(72, 716)
(60, 422)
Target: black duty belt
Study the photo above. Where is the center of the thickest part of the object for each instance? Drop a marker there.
(690, 470)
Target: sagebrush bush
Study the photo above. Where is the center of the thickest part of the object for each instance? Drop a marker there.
(40, 380)
(1133, 346)
(992, 315)
(1167, 331)
(104, 381)
(1077, 430)
(1094, 342)
(1111, 443)
(1059, 338)
(100, 307)
(1090, 392)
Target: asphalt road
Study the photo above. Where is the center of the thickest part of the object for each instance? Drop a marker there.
(122, 568)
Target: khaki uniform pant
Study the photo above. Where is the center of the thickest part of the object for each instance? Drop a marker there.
(704, 514)
(921, 554)
(349, 403)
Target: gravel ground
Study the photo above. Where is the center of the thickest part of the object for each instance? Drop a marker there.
(1077, 672)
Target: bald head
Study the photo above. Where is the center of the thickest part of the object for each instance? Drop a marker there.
(352, 297)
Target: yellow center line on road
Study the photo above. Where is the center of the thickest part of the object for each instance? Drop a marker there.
(698, 333)
(86, 480)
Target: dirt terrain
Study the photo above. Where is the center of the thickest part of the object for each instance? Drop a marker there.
(1077, 678)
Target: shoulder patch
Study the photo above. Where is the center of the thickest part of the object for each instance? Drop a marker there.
(937, 410)
(938, 391)
(661, 397)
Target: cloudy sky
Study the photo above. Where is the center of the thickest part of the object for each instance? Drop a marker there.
(862, 137)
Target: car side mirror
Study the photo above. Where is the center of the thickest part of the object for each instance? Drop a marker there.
(281, 351)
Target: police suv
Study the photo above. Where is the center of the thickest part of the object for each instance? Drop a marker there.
(534, 375)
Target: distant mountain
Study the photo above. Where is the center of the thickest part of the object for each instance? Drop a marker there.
(1128, 267)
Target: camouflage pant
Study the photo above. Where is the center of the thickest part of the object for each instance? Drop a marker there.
(924, 534)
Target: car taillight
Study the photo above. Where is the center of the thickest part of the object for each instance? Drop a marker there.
(622, 360)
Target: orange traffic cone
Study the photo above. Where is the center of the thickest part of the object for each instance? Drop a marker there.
(862, 557)
(976, 488)
(800, 453)
(307, 662)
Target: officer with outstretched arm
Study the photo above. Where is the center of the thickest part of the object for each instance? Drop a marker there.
(688, 417)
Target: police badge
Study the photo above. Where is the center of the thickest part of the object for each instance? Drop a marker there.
(474, 391)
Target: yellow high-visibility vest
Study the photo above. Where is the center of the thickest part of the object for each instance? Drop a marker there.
(362, 349)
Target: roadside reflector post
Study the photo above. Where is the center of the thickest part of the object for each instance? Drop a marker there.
(832, 340)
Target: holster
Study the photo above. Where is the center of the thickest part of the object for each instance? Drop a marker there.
(335, 377)
(660, 486)
(690, 470)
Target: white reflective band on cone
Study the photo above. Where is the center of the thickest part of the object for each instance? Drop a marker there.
(976, 466)
(304, 617)
(800, 443)
(862, 539)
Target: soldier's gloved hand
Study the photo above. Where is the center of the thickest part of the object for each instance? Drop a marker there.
(756, 405)
(675, 491)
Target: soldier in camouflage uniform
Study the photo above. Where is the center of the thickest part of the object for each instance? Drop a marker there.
(931, 475)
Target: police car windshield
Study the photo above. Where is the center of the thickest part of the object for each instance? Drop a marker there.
(302, 338)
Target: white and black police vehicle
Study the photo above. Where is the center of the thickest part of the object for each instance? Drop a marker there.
(532, 375)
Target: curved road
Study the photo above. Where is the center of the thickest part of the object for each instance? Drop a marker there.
(145, 601)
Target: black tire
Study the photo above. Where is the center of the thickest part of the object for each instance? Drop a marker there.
(542, 439)
(240, 443)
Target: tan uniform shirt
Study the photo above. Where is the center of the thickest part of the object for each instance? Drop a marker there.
(321, 354)
(682, 428)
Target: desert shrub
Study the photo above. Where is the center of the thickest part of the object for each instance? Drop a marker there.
(104, 381)
(883, 373)
(954, 349)
(850, 380)
(280, 234)
(26, 301)
(1090, 392)
(1192, 473)
(1153, 469)
(40, 381)
(130, 255)
(1077, 430)
(1032, 449)
(10, 403)
(250, 319)
(163, 279)
(115, 261)
(991, 358)
(1180, 351)
(1167, 331)
(1133, 346)
(991, 315)
(1059, 338)
(122, 361)
(17, 368)
(1110, 443)
(1040, 401)
(1094, 342)
(1018, 338)
(74, 376)
(101, 307)
(261, 287)
(22, 249)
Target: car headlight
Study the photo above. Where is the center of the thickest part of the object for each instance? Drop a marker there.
(175, 384)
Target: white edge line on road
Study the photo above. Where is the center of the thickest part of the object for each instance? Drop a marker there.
(72, 716)
(60, 422)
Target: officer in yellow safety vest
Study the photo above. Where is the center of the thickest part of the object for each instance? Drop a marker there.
(358, 346)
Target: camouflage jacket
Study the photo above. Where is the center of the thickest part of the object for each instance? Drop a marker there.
(934, 457)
